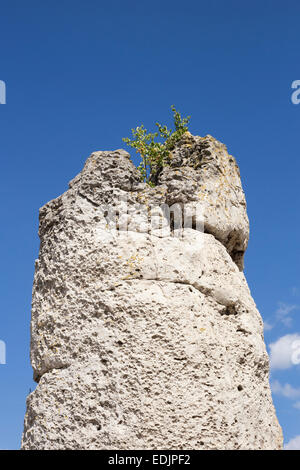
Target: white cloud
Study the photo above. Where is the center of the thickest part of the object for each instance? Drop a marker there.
(267, 326)
(282, 315)
(293, 444)
(283, 312)
(297, 405)
(285, 390)
(283, 351)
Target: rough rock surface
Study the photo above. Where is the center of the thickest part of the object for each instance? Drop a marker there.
(144, 335)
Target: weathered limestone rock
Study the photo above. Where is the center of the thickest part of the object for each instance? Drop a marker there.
(145, 335)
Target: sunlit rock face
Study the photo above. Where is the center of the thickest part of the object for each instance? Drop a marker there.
(144, 334)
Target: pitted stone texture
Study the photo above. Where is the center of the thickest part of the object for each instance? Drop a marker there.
(201, 170)
(144, 339)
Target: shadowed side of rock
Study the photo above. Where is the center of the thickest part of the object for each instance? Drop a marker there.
(144, 337)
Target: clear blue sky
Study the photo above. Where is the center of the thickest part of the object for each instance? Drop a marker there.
(81, 74)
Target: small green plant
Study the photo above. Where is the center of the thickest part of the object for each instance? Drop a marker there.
(153, 153)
